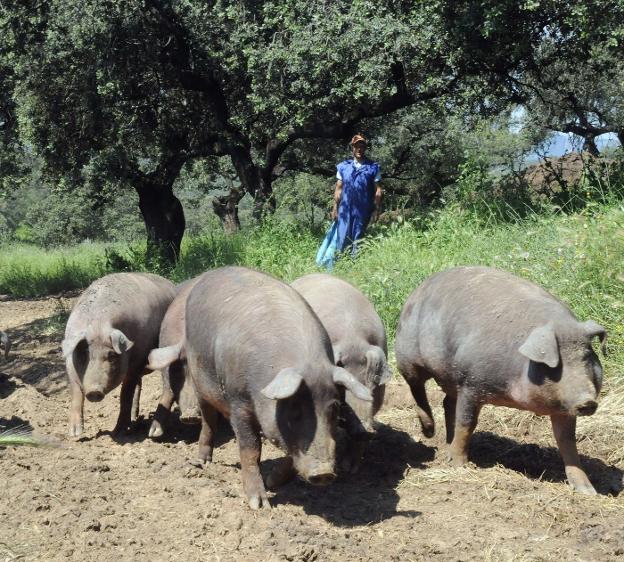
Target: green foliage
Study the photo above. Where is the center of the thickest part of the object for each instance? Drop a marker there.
(304, 198)
(27, 271)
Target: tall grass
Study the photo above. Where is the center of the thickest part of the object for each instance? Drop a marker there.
(28, 271)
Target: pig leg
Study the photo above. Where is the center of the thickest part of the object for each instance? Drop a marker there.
(157, 429)
(282, 472)
(564, 428)
(187, 399)
(466, 416)
(450, 405)
(136, 399)
(76, 410)
(250, 447)
(209, 418)
(126, 400)
(76, 416)
(417, 386)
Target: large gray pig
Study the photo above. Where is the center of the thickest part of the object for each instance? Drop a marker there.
(108, 336)
(358, 339)
(489, 337)
(177, 385)
(258, 355)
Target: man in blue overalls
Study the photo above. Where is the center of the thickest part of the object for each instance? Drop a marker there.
(357, 198)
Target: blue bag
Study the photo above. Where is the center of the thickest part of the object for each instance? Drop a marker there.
(327, 252)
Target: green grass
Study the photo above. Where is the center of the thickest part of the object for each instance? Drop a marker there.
(28, 271)
(578, 257)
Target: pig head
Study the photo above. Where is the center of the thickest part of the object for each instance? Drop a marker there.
(369, 365)
(100, 358)
(306, 412)
(563, 373)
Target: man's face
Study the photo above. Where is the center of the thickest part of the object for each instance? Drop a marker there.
(358, 149)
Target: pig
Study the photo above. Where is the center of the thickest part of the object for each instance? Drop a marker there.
(177, 385)
(109, 334)
(489, 337)
(358, 339)
(6, 343)
(258, 355)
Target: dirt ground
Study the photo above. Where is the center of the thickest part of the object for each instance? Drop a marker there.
(136, 499)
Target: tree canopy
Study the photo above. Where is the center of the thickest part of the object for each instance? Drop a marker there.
(126, 94)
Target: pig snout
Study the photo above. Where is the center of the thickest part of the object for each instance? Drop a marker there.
(587, 408)
(320, 474)
(316, 471)
(95, 395)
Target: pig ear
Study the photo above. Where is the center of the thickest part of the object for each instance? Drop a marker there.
(377, 369)
(69, 344)
(120, 342)
(162, 357)
(592, 329)
(283, 385)
(541, 346)
(345, 378)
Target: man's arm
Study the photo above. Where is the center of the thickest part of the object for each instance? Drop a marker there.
(378, 196)
(337, 197)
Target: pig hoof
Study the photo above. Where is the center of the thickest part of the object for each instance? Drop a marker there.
(75, 430)
(586, 489)
(205, 454)
(156, 430)
(256, 502)
(121, 429)
(428, 430)
(457, 460)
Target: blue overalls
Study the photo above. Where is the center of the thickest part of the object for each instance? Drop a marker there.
(357, 202)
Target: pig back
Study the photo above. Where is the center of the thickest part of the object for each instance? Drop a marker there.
(134, 303)
(172, 327)
(469, 320)
(344, 311)
(246, 326)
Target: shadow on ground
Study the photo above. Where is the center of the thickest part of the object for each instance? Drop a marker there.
(14, 421)
(538, 462)
(370, 495)
(35, 357)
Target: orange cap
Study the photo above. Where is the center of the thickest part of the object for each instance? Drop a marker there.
(358, 138)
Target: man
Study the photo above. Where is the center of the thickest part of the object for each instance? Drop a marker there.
(357, 198)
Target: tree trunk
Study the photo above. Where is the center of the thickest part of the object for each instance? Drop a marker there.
(255, 181)
(164, 221)
(589, 145)
(226, 208)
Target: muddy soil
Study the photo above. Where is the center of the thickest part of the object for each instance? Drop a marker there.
(136, 499)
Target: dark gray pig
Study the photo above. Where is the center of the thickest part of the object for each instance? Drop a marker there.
(489, 337)
(358, 339)
(177, 385)
(5, 342)
(258, 355)
(109, 334)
